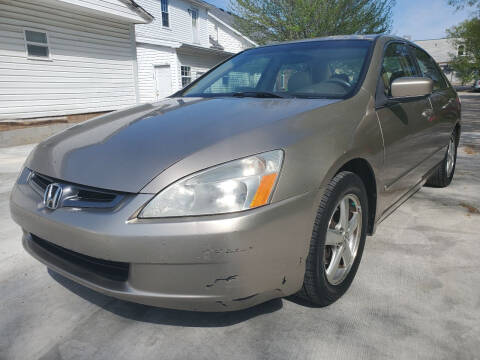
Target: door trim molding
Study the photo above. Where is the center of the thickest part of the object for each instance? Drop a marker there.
(405, 197)
(389, 186)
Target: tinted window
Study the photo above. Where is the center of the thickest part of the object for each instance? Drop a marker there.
(165, 19)
(397, 63)
(429, 69)
(35, 36)
(241, 78)
(37, 44)
(40, 51)
(310, 69)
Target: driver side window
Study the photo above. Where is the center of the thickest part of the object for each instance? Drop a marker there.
(397, 63)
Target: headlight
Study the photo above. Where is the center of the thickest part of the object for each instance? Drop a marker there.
(234, 186)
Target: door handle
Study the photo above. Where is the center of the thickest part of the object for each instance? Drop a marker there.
(428, 114)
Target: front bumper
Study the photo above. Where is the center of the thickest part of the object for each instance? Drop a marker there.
(209, 263)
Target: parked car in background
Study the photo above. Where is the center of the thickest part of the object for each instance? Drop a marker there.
(259, 180)
(476, 85)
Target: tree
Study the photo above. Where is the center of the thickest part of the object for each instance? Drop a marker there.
(461, 4)
(464, 69)
(279, 20)
(466, 36)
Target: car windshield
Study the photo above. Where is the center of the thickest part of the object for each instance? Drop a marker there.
(314, 69)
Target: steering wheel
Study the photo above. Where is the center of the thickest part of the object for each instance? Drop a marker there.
(344, 83)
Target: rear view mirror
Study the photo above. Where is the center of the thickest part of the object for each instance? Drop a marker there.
(411, 87)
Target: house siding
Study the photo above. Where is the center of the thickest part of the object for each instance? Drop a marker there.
(197, 63)
(442, 50)
(91, 67)
(158, 45)
(115, 8)
(180, 22)
(148, 57)
(230, 41)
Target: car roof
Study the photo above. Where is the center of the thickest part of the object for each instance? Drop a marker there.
(370, 37)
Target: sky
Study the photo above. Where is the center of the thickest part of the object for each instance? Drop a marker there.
(420, 19)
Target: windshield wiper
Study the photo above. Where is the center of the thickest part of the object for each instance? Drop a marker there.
(257, 94)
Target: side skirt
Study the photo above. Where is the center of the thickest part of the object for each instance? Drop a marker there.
(405, 197)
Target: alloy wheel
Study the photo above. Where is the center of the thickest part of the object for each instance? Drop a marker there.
(450, 157)
(342, 239)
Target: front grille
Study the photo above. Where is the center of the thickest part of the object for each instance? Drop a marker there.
(112, 270)
(95, 196)
(76, 195)
(39, 181)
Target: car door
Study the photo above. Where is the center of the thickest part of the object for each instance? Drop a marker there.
(403, 123)
(444, 104)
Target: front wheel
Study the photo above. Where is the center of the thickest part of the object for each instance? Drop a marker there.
(337, 240)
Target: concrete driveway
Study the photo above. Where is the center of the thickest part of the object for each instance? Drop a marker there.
(416, 294)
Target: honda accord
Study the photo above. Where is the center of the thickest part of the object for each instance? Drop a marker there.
(259, 180)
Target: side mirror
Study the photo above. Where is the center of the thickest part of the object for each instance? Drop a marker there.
(411, 86)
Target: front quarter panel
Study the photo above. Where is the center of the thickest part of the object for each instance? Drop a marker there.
(344, 131)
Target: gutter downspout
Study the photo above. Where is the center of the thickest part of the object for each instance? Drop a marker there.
(133, 44)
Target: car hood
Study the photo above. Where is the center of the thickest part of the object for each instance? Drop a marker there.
(126, 149)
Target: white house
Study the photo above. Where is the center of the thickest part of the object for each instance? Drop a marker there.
(185, 39)
(66, 57)
(77, 58)
(442, 50)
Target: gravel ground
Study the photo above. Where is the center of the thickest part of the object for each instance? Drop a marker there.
(416, 294)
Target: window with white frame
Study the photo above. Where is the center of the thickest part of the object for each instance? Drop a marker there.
(194, 15)
(186, 73)
(165, 19)
(36, 43)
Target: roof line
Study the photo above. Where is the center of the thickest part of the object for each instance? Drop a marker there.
(138, 9)
(233, 29)
(442, 38)
(204, 49)
(327, 38)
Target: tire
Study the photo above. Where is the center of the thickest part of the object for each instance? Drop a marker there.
(443, 174)
(320, 286)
